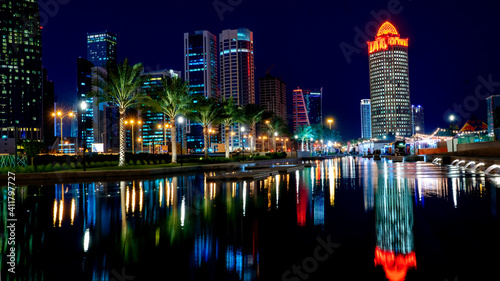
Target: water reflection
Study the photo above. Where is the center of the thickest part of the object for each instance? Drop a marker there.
(244, 230)
(394, 227)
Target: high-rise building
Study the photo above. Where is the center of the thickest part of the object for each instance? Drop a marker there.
(493, 111)
(314, 101)
(85, 135)
(417, 119)
(300, 114)
(237, 73)
(307, 107)
(273, 95)
(101, 47)
(200, 71)
(389, 83)
(21, 91)
(153, 131)
(366, 120)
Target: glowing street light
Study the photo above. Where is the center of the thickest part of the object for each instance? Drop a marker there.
(330, 121)
(132, 122)
(61, 115)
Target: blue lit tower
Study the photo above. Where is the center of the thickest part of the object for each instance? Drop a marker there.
(366, 119)
(314, 100)
(237, 73)
(21, 70)
(152, 131)
(101, 47)
(83, 87)
(493, 112)
(200, 71)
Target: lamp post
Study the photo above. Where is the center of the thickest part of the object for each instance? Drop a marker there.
(180, 120)
(330, 121)
(275, 138)
(452, 120)
(132, 122)
(242, 143)
(140, 141)
(83, 106)
(61, 116)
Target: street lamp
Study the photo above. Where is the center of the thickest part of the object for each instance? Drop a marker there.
(61, 116)
(452, 120)
(330, 121)
(180, 120)
(142, 144)
(132, 122)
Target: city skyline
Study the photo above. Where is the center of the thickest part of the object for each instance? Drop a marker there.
(453, 92)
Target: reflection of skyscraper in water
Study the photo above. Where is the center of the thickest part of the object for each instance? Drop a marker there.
(394, 228)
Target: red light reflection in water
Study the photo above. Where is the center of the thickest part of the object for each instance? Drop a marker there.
(395, 265)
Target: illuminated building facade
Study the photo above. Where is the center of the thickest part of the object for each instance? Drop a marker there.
(101, 47)
(417, 119)
(83, 87)
(300, 117)
(273, 95)
(200, 71)
(21, 69)
(237, 78)
(366, 120)
(493, 112)
(150, 132)
(389, 83)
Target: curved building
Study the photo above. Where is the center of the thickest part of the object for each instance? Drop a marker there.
(389, 83)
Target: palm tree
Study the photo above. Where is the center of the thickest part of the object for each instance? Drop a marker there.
(207, 112)
(273, 126)
(172, 100)
(251, 115)
(119, 84)
(229, 115)
(303, 133)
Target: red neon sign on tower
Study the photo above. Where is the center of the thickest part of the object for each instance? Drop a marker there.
(387, 35)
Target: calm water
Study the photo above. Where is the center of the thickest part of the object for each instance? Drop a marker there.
(345, 219)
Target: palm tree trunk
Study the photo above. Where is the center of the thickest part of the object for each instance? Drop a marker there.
(121, 159)
(205, 135)
(274, 143)
(302, 145)
(173, 138)
(226, 143)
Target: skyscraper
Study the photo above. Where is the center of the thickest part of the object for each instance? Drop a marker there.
(101, 47)
(366, 120)
(300, 117)
(48, 109)
(417, 119)
(152, 130)
(314, 101)
(273, 95)
(85, 135)
(389, 83)
(200, 71)
(237, 72)
(21, 68)
(493, 112)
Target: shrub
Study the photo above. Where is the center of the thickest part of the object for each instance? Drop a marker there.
(49, 168)
(72, 165)
(114, 163)
(4, 170)
(91, 165)
(151, 162)
(98, 164)
(39, 168)
(106, 164)
(79, 165)
(30, 169)
(57, 167)
(65, 166)
(157, 161)
(138, 162)
(131, 162)
(162, 161)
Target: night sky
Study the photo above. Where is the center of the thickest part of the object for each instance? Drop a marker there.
(450, 46)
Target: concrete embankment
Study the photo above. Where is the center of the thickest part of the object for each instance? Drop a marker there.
(130, 174)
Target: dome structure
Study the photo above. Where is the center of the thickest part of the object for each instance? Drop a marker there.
(387, 28)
